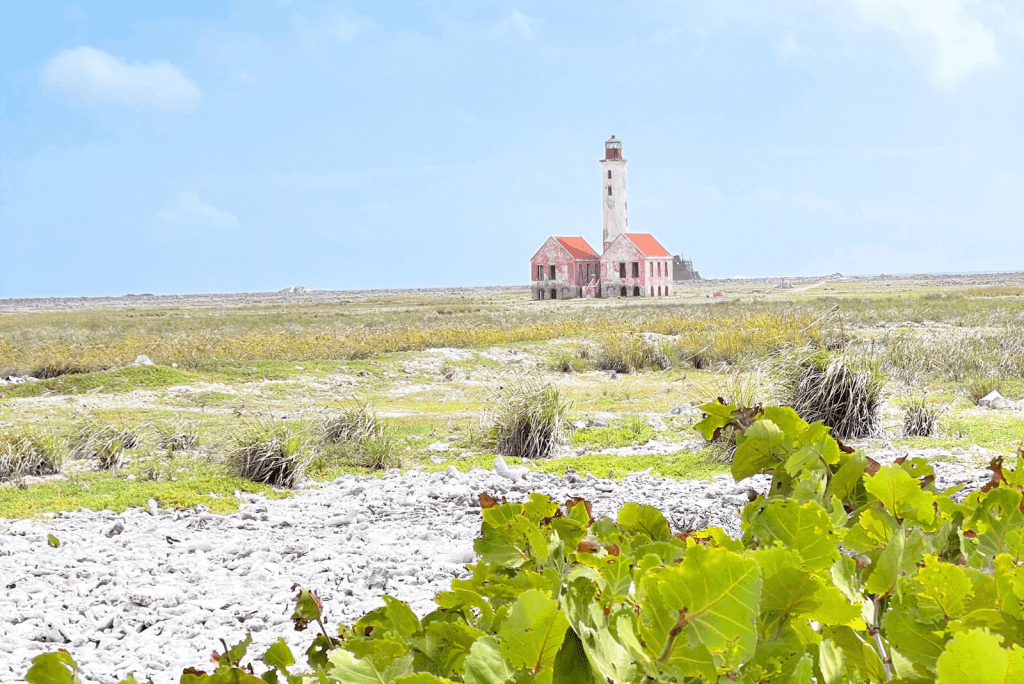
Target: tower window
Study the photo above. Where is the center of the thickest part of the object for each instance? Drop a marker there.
(609, 174)
(609, 190)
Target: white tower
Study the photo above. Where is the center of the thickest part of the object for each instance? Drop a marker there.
(613, 191)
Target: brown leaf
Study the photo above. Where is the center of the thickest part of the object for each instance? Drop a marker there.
(587, 546)
(872, 467)
(996, 466)
(743, 418)
(845, 449)
(612, 549)
(486, 501)
(570, 503)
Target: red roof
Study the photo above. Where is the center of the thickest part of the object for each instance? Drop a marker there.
(646, 243)
(577, 247)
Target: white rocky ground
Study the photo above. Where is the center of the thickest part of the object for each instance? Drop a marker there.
(154, 591)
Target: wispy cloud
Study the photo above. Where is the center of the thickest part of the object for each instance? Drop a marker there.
(521, 24)
(187, 218)
(952, 42)
(91, 75)
(347, 28)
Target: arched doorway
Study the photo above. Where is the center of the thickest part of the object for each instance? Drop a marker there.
(659, 290)
(554, 293)
(636, 291)
(622, 292)
(652, 290)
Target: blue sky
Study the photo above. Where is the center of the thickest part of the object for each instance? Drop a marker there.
(216, 147)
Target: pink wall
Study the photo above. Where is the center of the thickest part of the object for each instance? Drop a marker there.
(567, 279)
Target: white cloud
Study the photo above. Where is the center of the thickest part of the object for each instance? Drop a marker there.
(345, 29)
(519, 23)
(952, 42)
(93, 75)
(187, 218)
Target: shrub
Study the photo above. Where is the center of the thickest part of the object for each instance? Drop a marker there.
(26, 452)
(845, 399)
(526, 419)
(982, 387)
(629, 353)
(180, 435)
(921, 420)
(269, 453)
(55, 369)
(356, 436)
(105, 444)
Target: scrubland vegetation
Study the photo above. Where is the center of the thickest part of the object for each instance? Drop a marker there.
(266, 396)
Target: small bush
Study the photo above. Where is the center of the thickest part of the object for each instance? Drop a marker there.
(55, 369)
(356, 436)
(982, 387)
(846, 400)
(180, 435)
(629, 353)
(526, 419)
(25, 452)
(569, 363)
(105, 444)
(921, 420)
(269, 453)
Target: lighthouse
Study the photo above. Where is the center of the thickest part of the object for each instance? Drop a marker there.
(613, 191)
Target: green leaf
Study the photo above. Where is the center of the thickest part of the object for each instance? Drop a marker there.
(422, 678)
(976, 657)
(350, 670)
(57, 667)
(806, 529)
(571, 663)
(279, 655)
(52, 541)
(533, 631)
(998, 523)
(901, 495)
(485, 664)
(634, 517)
(889, 566)
(918, 642)
(401, 616)
(845, 480)
(832, 662)
(944, 585)
(307, 606)
(857, 652)
(759, 450)
(717, 416)
(714, 594)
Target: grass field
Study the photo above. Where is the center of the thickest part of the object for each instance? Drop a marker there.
(427, 367)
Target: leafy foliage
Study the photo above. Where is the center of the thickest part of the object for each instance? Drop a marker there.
(847, 572)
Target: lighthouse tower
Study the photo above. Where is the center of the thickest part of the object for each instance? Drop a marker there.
(613, 191)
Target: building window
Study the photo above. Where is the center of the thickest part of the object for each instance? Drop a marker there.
(622, 270)
(553, 276)
(652, 290)
(659, 268)
(652, 269)
(609, 191)
(540, 272)
(636, 269)
(609, 174)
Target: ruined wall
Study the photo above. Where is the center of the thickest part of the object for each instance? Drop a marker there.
(682, 269)
(623, 251)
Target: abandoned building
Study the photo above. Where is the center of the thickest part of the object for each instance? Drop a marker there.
(630, 264)
(682, 269)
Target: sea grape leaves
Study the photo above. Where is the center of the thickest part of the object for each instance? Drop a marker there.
(902, 495)
(571, 665)
(485, 664)
(714, 594)
(347, 668)
(976, 657)
(717, 415)
(57, 667)
(533, 631)
(804, 528)
(758, 451)
(641, 518)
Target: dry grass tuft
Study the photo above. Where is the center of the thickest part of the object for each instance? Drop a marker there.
(269, 453)
(180, 435)
(921, 420)
(357, 436)
(26, 452)
(526, 419)
(846, 400)
(104, 444)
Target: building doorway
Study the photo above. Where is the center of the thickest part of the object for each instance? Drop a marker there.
(622, 292)
(554, 293)
(636, 291)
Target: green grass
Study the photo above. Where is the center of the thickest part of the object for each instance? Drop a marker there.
(116, 380)
(109, 491)
(683, 465)
(632, 431)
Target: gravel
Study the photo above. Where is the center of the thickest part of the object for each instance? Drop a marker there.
(153, 591)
